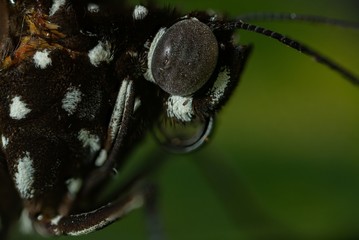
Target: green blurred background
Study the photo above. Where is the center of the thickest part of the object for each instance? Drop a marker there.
(284, 160)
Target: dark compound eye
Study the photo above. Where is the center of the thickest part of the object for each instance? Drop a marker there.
(184, 57)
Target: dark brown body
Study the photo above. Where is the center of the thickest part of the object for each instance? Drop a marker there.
(57, 104)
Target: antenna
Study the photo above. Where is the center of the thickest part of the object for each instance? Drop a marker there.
(262, 16)
(239, 24)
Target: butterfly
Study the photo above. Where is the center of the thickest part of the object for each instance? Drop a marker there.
(82, 82)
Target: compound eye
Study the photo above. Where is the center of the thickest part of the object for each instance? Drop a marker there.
(184, 57)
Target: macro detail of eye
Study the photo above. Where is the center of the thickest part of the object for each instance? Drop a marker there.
(185, 57)
(83, 83)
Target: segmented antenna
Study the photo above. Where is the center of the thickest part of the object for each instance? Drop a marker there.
(291, 43)
(261, 16)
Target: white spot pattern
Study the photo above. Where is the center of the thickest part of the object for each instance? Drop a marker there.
(100, 53)
(89, 140)
(140, 12)
(71, 100)
(18, 108)
(56, 5)
(180, 108)
(93, 8)
(4, 141)
(24, 177)
(42, 59)
(220, 86)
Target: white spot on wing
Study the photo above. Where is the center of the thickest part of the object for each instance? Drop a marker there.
(148, 75)
(56, 5)
(89, 140)
(180, 108)
(93, 8)
(24, 177)
(18, 109)
(140, 12)
(100, 53)
(4, 141)
(42, 59)
(71, 100)
(220, 86)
